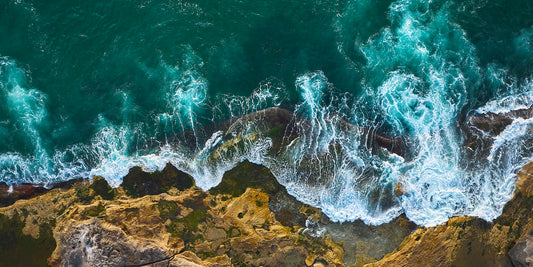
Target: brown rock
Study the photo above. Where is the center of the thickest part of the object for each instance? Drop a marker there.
(399, 190)
(522, 253)
(468, 241)
(164, 230)
(287, 256)
(525, 180)
(9, 195)
(138, 183)
(219, 261)
(245, 213)
(491, 123)
(213, 234)
(92, 243)
(187, 259)
(176, 244)
(310, 259)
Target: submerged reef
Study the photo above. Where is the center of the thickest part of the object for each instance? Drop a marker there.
(249, 219)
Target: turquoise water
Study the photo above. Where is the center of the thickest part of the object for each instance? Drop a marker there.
(94, 88)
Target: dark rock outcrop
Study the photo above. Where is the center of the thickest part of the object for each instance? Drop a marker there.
(8, 195)
(138, 183)
(18, 249)
(249, 175)
(102, 188)
(494, 124)
(481, 128)
(283, 126)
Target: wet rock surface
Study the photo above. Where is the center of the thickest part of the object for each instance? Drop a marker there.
(10, 194)
(482, 128)
(494, 124)
(469, 241)
(249, 175)
(138, 183)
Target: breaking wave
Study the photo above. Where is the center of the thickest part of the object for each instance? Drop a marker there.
(398, 146)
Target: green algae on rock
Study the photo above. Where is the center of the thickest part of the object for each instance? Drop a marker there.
(102, 188)
(174, 229)
(229, 226)
(249, 175)
(19, 249)
(246, 175)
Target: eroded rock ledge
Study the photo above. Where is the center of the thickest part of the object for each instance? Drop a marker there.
(149, 221)
(469, 241)
(162, 219)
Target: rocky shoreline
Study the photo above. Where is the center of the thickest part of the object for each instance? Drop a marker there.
(249, 219)
(162, 219)
(92, 224)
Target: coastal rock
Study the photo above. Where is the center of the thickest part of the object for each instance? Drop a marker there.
(282, 127)
(20, 249)
(26, 228)
(522, 253)
(251, 222)
(481, 128)
(256, 238)
(186, 259)
(491, 123)
(249, 211)
(249, 175)
(494, 124)
(93, 243)
(178, 228)
(460, 242)
(367, 243)
(524, 185)
(102, 188)
(10, 194)
(275, 123)
(246, 175)
(399, 189)
(138, 183)
(469, 241)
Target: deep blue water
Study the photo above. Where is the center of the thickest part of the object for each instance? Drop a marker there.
(96, 87)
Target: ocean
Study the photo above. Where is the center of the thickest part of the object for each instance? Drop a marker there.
(97, 87)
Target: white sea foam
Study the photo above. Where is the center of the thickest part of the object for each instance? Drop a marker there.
(270, 93)
(521, 99)
(419, 73)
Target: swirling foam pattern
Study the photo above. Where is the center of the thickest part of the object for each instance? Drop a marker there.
(143, 84)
